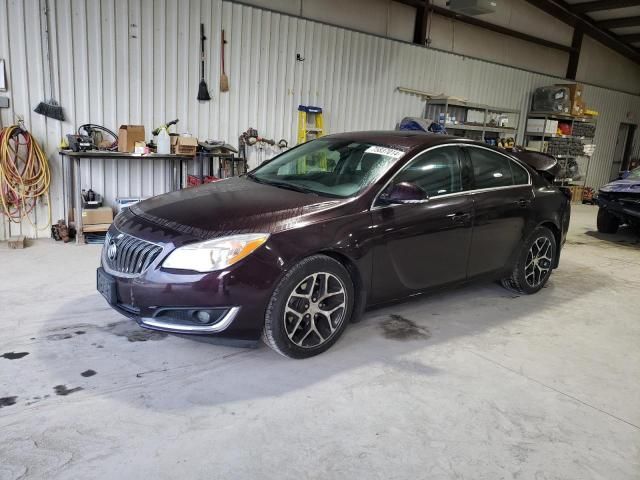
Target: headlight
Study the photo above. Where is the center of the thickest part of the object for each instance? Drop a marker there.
(215, 254)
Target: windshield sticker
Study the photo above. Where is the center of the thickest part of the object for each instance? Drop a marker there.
(389, 152)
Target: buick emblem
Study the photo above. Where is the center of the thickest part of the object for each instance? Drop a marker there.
(112, 250)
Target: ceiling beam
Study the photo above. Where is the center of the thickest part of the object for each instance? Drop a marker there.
(599, 5)
(445, 12)
(563, 12)
(420, 27)
(631, 38)
(620, 22)
(574, 56)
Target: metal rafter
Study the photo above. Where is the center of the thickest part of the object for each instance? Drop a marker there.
(620, 22)
(445, 12)
(565, 13)
(599, 5)
(631, 38)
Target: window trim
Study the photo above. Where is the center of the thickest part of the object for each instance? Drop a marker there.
(447, 195)
(511, 161)
(417, 158)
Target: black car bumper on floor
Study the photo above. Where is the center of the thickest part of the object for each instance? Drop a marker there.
(624, 206)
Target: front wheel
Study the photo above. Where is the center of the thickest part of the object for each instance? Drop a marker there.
(310, 308)
(606, 222)
(535, 262)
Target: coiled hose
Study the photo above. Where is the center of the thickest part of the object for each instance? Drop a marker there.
(24, 175)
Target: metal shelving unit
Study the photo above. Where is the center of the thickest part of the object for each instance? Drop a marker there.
(487, 124)
(569, 150)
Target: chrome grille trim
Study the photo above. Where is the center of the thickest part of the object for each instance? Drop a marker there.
(133, 255)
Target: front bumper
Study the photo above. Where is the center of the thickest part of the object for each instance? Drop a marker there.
(625, 206)
(235, 299)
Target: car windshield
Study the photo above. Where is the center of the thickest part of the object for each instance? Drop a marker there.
(635, 173)
(330, 167)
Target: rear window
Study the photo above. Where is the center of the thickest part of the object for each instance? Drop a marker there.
(490, 169)
(520, 175)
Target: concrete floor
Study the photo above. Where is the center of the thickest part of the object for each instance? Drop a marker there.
(483, 385)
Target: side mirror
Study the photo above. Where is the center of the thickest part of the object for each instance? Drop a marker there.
(404, 192)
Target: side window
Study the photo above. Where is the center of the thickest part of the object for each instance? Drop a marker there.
(490, 169)
(437, 172)
(520, 175)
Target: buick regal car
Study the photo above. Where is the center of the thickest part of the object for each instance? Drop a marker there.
(619, 203)
(299, 247)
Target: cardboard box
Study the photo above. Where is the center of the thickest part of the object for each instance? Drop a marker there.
(186, 146)
(100, 227)
(578, 108)
(97, 216)
(173, 138)
(575, 95)
(16, 242)
(575, 90)
(128, 135)
(139, 147)
(576, 193)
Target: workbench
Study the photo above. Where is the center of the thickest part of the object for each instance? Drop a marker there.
(73, 194)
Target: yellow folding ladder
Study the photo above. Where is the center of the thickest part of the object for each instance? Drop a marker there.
(310, 123)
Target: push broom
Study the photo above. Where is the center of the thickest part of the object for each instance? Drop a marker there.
(203, 90)
(50, 108)
(224, 80)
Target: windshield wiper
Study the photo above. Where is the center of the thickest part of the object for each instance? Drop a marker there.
(290, 186)
(253, 177)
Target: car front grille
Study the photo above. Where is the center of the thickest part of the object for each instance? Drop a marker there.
(127, 254)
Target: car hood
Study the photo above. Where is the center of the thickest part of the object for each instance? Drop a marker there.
(231, 206)
(626, 185)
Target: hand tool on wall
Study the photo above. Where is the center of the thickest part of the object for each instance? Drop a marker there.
(49, 108)
(156, 131)
(203, 90)
(224, 80)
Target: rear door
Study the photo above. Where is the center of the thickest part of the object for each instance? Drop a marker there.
(422, 245)
(503, 198)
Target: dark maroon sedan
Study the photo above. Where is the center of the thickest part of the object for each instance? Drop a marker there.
(301, 245)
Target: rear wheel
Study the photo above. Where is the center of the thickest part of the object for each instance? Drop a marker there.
(533, 268)
(310, 308)
(607, 223)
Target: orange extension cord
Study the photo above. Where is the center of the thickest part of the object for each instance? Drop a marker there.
(24, 175)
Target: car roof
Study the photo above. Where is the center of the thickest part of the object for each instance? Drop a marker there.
(403, 139)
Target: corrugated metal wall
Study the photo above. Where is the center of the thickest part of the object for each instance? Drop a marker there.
(137, 61)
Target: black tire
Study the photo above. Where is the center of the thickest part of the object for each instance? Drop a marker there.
(607, 223)
(275, 333)
(521, 280)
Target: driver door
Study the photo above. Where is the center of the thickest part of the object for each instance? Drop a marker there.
(426, 244)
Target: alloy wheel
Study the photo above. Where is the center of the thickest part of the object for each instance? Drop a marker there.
(539, 260)
(315, 310)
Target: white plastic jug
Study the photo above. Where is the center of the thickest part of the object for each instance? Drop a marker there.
(163, 142)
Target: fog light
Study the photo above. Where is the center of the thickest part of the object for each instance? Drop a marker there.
(203, 317)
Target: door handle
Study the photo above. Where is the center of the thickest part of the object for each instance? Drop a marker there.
(459, 217)
(523, 202)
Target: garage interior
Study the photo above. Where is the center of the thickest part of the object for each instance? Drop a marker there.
(115, 102)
